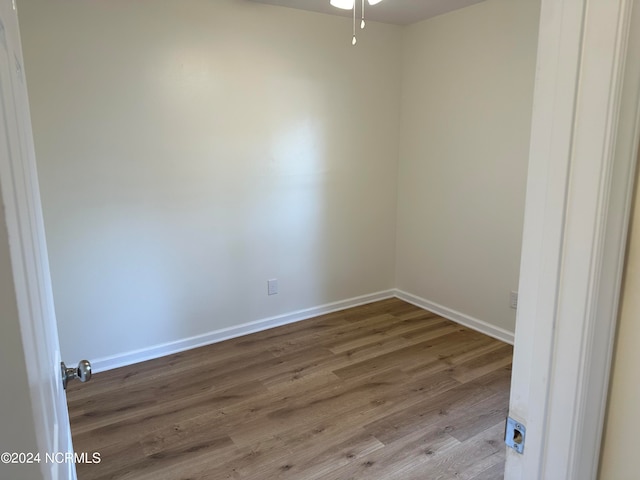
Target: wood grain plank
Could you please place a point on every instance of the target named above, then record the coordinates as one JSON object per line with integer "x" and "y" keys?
{"x": 380, "y": 391}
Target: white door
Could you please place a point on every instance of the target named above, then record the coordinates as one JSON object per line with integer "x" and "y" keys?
{"x": 21, "y": 200}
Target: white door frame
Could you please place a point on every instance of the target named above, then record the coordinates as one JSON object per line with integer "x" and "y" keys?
{"x": 581, "y": 168}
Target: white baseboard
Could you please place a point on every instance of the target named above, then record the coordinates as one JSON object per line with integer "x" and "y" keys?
{"x": 465, "y": 320}
{"x": 156, "y": 351}
{"x": 129, "y": 358}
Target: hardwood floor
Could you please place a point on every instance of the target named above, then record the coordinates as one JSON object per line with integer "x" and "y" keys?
{"x": 382, "y": 391}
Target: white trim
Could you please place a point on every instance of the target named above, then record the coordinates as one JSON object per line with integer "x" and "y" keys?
{"x": 157, "y": 351}
{"x": 598, "y": 358}
{"x": 576, "y": 216}
{"x": 149, "y": 353}
{"x": 458, "y": 317}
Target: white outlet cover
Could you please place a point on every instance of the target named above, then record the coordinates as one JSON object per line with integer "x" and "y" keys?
{"x": 513, "y": 300}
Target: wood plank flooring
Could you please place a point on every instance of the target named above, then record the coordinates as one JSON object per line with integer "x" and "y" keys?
{"x": 381, "y": 391}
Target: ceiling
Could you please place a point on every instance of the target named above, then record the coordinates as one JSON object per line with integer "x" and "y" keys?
{"x": 399, "y": 12}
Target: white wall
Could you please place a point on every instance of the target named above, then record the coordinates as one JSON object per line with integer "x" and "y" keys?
{"x": 466, "y": 111}
{"x": 18, "y": 433}
{"x": 618, "y": 460}
{"x": 190, "y": 150}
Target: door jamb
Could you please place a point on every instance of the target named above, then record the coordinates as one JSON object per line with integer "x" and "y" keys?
{"x": 582, "y": 160}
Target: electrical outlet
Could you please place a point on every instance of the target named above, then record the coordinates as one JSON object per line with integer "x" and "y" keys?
{"x": 513, "y": 300}
{"x": 272, "y": 286}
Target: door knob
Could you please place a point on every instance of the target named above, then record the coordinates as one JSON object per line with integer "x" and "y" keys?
{"x": 82, "y": 373}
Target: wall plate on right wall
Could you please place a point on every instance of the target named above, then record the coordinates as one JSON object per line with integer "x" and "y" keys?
{"x": 513, "y": 300}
